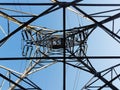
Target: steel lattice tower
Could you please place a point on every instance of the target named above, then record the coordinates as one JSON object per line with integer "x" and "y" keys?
{"x": 75, "y": 42}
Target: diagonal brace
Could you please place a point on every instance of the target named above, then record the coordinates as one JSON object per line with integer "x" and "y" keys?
{"x": 107, "y": 30}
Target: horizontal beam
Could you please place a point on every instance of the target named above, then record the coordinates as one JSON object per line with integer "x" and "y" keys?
{"x": 22, "y": 16}
{"x": 44, "y": 4}
{"x": 27, "y": 4}
{"x": 97, "y": 5}
{"x": 89, "y": 57}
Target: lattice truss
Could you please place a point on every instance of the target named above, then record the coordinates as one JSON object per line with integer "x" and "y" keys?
{"x": 69, "y": 45}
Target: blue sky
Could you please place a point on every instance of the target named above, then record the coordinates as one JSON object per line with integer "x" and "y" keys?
{"x": 99, "y": 43}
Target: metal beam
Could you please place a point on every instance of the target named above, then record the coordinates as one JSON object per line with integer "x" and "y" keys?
{"x": 29, "y": 82}
{"x": 81, "y": 57}
{"x": 27, "y": 4}
{"x": 106, "y": 29}
{"x": 25, "y": 24}
{"x": 112, "y": 34}
{"x": 102, "y": 5}
{"x": 1, "y": 75}
{"x": 109, "y": 83}
{"x": 64, "y": 48}
{"x": 48, "y": 4}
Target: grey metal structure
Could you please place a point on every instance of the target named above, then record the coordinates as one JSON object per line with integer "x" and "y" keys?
{"x": 43, "y": 47}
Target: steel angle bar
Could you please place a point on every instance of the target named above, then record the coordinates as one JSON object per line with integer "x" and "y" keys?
{"x": 10, "y": 18}
{"x": 22, "y": 16}
{"x": 17, "y": 11}
{"x": 102, "y": 22}
{"x": 27, "y": 23}
{"x": 1, "y": 75}
{"x": 27, "y": 4}
{"x": 67, "y": 4}
{"x": 87, "y": 83}
{"x": 10, "y": 70}
{"x": 110, "y": 82}
{"x": 106, "y": 29}
{"x": 94, "y": 72}
{"x": 90, "y": 82}
{"x": 64, "y": 48}
{"x": 112, "y": 34}
{"x": 102, "y": 5}
{"x": 104, "y": 12}
{"x": 48, "y": 4}
{"x": 3, "y": 81}
{"x": 43, "y": 67}
{"x": 82, "y": 62}
{"x": 28, "y": 81}
{"x": 101, "y": 16}
{"x": 24, "y": 75}
{"x": 81, "y": 57}
{"x": 36, "y": 4}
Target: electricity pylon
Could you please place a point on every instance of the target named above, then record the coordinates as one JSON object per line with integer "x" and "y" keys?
{"x": 43, "y": 47}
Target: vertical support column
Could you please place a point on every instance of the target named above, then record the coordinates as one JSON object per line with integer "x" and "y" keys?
{"x": 64, "y": 49}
